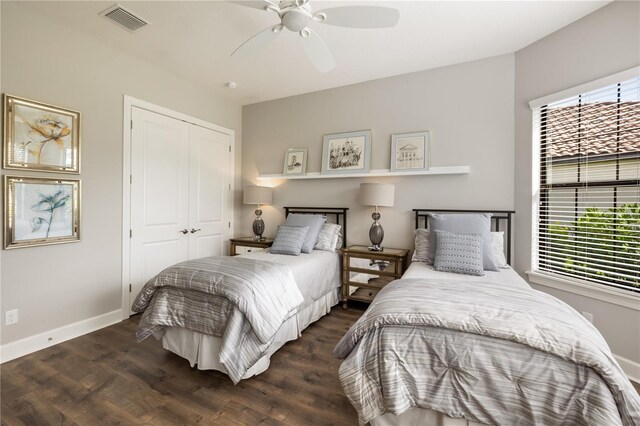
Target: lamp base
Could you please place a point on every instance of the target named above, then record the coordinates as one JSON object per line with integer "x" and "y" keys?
{"x": 258, "y": 226}
{"x": 376, "y": 233}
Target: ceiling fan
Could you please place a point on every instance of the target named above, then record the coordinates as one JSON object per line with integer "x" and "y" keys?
{"x": 296, "y": 15}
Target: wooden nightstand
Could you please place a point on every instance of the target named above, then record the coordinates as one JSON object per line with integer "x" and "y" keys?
{"x": 244, "y": 245}
{"x": 365, "y": 272}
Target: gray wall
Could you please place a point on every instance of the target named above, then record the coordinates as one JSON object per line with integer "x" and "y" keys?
{"x": 602, "y": 43}
{"x": 58, "y": 285}
{"x": 467, "y": 107}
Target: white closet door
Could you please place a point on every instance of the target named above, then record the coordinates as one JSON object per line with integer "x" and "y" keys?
{"x": 210, "y": 174}
{"x": 159, "y": 195}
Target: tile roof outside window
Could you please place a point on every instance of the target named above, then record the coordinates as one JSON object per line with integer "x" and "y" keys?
{"x": 592, "y": 129}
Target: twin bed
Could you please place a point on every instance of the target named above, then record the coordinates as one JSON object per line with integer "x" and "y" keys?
{"x": 434, "y": 348}
{"x": 201, "y": 317}
{"x": 442, "y": 348}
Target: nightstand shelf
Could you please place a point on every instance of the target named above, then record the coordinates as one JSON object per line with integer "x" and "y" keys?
{"x": 245, "y": 245}
{"x": 365, "y": 272}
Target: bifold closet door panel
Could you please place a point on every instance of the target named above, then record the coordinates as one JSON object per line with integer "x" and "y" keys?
{"x": 210, "y": 177}
{"x": 159, "y": 195}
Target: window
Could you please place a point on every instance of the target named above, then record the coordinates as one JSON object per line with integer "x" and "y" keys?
{"x": 588, "y": 216}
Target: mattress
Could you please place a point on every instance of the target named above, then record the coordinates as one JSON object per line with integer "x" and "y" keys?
{"x": 317, "y": 275}
{"x": 506, "y": 276}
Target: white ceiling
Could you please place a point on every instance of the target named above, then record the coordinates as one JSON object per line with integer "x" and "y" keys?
{"x": 194, "y": 40}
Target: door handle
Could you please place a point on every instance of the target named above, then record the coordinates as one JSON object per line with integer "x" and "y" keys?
{"x": 184, "y": 231}
{"x": 193, "y": 231}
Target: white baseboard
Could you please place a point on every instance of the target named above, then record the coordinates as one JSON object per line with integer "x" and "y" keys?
{"x": 31, "y": 344}
{"x": 631, "y": 368}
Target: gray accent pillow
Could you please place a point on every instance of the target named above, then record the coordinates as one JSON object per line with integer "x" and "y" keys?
{"x": 289, "y": 240}
{"x": 314, "y": 222}
{"x": 464, "y": 223}
{"x": 328, "y": 237}
{"x": 459, "y": 253}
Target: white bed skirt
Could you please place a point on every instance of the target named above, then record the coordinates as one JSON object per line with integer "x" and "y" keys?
{"x": 420, "y": 416}
{"x": 202, "y": 350}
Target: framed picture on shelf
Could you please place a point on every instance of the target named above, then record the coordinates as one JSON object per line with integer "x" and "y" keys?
{"x": 40, "y": 137}
{"x": 344, "y": 153}
{"x": 40, "y": 211}
{"x": 410, "y": 151}
{"x": 295, "y": 161}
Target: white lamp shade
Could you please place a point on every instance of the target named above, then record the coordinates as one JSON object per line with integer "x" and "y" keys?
{"x": 258, "y": 195}
{"x": 377, "y": 194}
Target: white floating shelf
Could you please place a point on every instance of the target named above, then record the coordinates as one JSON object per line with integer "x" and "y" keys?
{"x": 449, "y": 170}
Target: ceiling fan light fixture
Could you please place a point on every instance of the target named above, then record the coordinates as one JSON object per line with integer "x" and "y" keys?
{"x": 296, "y": 19}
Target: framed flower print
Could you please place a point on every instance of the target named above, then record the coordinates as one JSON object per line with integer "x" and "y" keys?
{"x": 40, "y": 137}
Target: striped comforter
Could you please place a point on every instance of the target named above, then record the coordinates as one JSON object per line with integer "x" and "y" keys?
{"x": 243, "y": 301}
{"x": 484, "y": 352}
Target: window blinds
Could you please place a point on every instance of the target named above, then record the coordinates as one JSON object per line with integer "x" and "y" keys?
{"x": 589, "y": 191}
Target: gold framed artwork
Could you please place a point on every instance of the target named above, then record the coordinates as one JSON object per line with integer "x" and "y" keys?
{"x": 40, "y": 211}
{"x": 40, "y": 137}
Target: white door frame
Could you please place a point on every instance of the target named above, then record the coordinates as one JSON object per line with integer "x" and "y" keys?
{"x": 130, "y": 102}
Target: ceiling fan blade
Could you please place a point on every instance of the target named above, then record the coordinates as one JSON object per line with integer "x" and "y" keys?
{"x": 317, "y": 51}
{"x": 256, "y": 4}
{"x": 258, "y": 42}
{"x": 360, "y": 16}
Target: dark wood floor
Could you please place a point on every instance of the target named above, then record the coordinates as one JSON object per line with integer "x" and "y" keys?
{"x": 107, "y": 378}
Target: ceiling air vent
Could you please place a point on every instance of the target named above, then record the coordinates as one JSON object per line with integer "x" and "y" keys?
{"x": 124, "y": 18}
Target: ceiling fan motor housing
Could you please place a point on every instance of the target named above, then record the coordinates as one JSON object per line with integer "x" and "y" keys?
{"x": 296, "y": 19}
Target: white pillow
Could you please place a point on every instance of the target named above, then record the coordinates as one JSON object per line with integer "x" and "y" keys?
{"x": 423, "y": 251}
{"x": 328, "y": 237}
{"x": 497, "y": 247}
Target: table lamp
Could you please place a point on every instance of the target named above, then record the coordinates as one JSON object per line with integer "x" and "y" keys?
{"x": 258, "y": 195}
{"x": 378, "y": 195}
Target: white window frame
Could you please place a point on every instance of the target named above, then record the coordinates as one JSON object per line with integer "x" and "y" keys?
{"x": 571, "y": 284}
